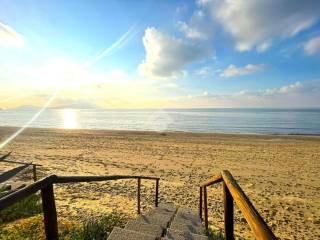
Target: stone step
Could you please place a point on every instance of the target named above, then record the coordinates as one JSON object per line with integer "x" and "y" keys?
{"x": 168, "y": 207}
{"x": 125, "y": 234}
{"x": 187, "y": 214}
{"x": 178, "y": 235}
{"x": 176, "y": 224}
{"x": 187, "y": 227}
{"x": 161, "y": 211}
{"x": 159, "y": 219}
{"x": 146, "y": 228}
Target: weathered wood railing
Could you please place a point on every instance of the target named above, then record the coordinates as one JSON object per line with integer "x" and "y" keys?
{"x": 233, "y": 192}
{"x": 45, "y": 185}
{"x": 34, "y": 166}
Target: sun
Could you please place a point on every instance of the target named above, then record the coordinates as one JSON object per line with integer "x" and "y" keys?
{"x": 70, "y": 120}
{"x": 62, "y": 74}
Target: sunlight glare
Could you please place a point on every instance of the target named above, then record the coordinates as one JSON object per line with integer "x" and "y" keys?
{"x": 69, "y": 119}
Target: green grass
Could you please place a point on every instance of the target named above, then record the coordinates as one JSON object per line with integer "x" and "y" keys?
{"x": 30, "y": 228}
{"x": 24, "y": 221}
{"x": 94, "y": 228}
{"x": 214, "y": 235}
{"x": 33, "y": 228}
{"x": 27, "y": 207}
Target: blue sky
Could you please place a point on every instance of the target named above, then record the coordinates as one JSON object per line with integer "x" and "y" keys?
{"x": 132, "y": 54}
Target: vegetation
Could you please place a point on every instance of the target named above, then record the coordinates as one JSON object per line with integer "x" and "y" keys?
{"x": 27, "y": 207}
{"x": 94, "y": 228}
{"x": 24, "y": 221}
{"x": 32, "y": 228}
{"x": 27, "y": 228}
{"x": 214, "y": 235}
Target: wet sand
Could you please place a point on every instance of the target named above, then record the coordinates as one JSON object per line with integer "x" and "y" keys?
{"x": 280, "y": 174}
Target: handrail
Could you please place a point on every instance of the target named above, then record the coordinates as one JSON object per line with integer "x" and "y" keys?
{"x": 18, "y": 162}
{"x": 16, "y": 196}
{"x": 5, "y": 156}
{"x": 34, "y": 165}
{"x": 48, "y": 201}
{"x": 212, "y": 181}
{"x": 233, "y": 192}
{"x": 12, "y": 172}
{"x": 75, "y": 179}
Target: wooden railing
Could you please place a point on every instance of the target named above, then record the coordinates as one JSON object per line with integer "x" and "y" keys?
{"x": 45, "y": 185}
{"x": 34, "y": 166}
{"x": 232, "y": 192}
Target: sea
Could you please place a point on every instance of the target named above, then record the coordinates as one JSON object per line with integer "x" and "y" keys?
{"x": 217, "y": 120}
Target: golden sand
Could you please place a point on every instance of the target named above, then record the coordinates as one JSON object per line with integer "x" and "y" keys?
{"x": 280, "y": 174}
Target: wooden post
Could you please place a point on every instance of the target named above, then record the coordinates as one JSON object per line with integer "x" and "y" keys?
{"x": 138, "y": 194}
{"x": 228, "y": 213}
{"x": 200, "y": 204}
{"x": 205, "y": 208}
{"x": 157, "y": 193}
{"x": 49, "y": 212}
{"x": 34, "y": 169}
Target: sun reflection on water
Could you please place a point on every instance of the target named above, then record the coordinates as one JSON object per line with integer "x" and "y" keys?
{"x": 70, "y": 119}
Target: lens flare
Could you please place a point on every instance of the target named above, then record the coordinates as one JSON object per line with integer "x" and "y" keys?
{"x": 14, "y": 135}
{"x": 71, "y": 122}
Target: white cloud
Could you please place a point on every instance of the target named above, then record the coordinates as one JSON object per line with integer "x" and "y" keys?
{"x": 284, "y": 89}
{"x": 198, "y": 26}
{"x": 312, "y": 46}
{"x": 256, "y": 23}
{"x": 9, "y": 37}
{"x": 166, "y": 56}
{"x": 306, "y": 94}
{"x": 232, "y": 70}
{"x": 204, "y": 72}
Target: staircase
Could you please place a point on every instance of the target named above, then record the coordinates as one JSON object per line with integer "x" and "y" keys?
{"x": 165, "y": 222}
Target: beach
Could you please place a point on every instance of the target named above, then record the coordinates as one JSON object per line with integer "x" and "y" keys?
{"x": 280, "y": 174}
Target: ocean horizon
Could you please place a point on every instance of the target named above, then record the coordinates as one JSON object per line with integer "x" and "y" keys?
{"x": 300, "y": 121}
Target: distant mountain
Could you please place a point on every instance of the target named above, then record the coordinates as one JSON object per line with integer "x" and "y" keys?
{"x": 73, "y": 105}
{"x": 77, "y": 105}
{"x": 26, "y": 107}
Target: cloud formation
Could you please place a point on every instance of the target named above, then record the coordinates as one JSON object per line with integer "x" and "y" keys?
{"x": 312, "y": 46}
{"x": 258, "y": 23}
{"x": 198, "y": 26}
{"x": 166, "y": 56}
{"x": 232, "y": 70}
{"x": 284, "y": 89}
{"x": 9, "y": 37}
{"x": 297, "y": 94}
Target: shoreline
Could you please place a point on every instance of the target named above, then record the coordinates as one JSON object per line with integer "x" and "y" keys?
{"x": 167, "y": 131}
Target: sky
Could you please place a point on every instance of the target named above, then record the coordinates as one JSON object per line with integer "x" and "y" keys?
{"x": 160, "y": 54}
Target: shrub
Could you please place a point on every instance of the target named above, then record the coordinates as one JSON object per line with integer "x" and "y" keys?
{"x": 26, "y": 207}
{"x": 94, "y": 228}
{"x": 29, "y": 229}
{"x": 214, "y": 235}
{"x": 33, "y": 228}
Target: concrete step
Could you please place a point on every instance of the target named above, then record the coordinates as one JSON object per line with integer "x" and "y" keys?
{"x": 178, "y": 235}
{"x": 176, "y": 224}
{"x": 159, "y": 219}
{"x": 187, "y": 214}
{"x": 168, "y": 207}
{"x": 159, "y": 210}
{"x": 187, "y": 227}
{"x": 146, "y": 228}
{"x": 125, "y": 234}
{"x": 187, "y": 221}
